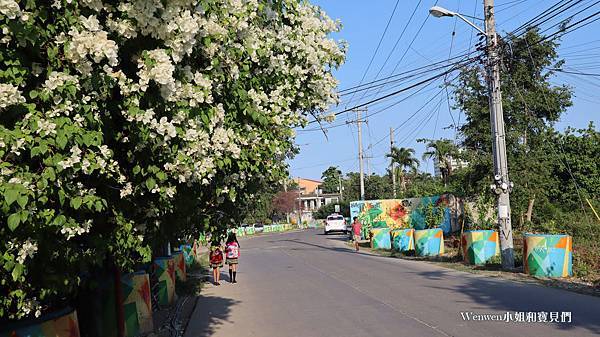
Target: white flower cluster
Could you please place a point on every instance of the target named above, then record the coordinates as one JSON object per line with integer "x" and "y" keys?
{"x": 91, "y": 44}
{"x": 9, "y": 8}
{"x": 127, "y": 190}
{"x": 158, "y": 68}
{"x": 10, "y": 95}
{"x": 72, "y": 231}
{"x": 26, "y": 250}
{"x": 58, "y": 79}
{"x": 73, "y": 159}
{"x": 45, "y": 127}
{"x": 31, "y": 305}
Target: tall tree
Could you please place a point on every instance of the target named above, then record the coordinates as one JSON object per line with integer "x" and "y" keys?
{"x": 331, "y": 179}
{"x": 530, "y": 103}
{"x": 404, "y": 158}
{"x": 442, "y": 151}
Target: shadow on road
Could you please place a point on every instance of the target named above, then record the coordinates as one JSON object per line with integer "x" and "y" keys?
{"x": 505, "y": 295}
{"x": 211, "y": 312}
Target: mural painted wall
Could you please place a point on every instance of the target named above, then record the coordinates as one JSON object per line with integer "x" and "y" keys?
{"x": 405, "y": 213}
{"x": 137, "y": 306}
{"x": 60, "y": 324}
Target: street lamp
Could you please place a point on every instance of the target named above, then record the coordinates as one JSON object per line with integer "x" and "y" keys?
{"x": 439, "y": 12}
{"x": 502, "y": 185}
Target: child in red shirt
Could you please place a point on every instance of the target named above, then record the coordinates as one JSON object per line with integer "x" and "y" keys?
{"x": 216, "y": 261}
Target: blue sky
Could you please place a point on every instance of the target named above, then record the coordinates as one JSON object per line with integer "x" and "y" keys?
{"x": 363, "y": 24}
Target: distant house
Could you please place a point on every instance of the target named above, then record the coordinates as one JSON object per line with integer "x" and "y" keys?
{"x": 311, "y": 198}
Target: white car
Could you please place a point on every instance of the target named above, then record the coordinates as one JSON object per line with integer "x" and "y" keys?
{"x": 335, "y": 223}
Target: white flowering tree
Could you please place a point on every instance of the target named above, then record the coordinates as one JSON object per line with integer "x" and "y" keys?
{"x": 126, "y": 123}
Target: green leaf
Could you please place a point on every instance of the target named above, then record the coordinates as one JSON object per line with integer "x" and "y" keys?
{"x": 49, "y": 174}
{"x": 24, "y": 215}
{"x": 61, "y": 139}
{"x": 61, "y": 197}
{"x": 136, "y": 169}
{"x": 10, "y": 196}
{"x": 150, "y": 183}
{"x": 17, "y": 272}
{"x": 76, "y": 202}
{"x": 13, "y": 221}
{"x": 22, "y": 201}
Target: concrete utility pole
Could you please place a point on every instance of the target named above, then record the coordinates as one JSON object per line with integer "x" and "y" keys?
{"x": 502, "y": 185}
{"x": 341, "y": 188}
{"x": 299, "y": 204}
{"x": 359, "y": 122}
{"x": 392, "y": 164}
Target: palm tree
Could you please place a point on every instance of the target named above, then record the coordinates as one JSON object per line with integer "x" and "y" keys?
{"x": 404, "y": 158}
{"x": 442, "y": 151}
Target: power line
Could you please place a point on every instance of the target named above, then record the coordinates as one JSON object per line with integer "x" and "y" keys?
{"x": 378, "y": 44}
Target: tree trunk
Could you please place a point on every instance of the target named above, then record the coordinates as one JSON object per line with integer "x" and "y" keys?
{"x": 530, "y": 208}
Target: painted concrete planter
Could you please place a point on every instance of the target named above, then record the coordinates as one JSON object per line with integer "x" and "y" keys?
{"x": 548, "y": 255}
{"x": 479, "y": 246}
{"x": 250, "y": 231}
{"x": 59, "y": 324}
{"x": 137, "y": 305}
{"x": 180, "y": 270}
{"x": 165, "y": 273}
{"x": 403, "y": 239}
{"x": 429, "y": 242}
{"x": 188, "y": 254}
{"x": 267, "y": 229}
{"x": 380, "y": 238}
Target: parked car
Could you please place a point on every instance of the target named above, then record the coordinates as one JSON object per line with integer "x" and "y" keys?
{"x": 335, "y": 223}
{"x": 258, "y": 227}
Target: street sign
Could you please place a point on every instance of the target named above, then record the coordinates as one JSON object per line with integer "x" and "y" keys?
{"x": 337, "y": 208}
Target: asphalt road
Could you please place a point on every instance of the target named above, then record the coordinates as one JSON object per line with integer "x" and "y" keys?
{"x": 308, "y": 284}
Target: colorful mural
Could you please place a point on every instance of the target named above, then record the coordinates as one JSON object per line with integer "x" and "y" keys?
{"x": 479, "y": 246}
{"x": 548, "y": 255}
{"x": 180, "y": 270}
{"x": 429, "y": 242}
{"x": 380, "y": 238}
{"x": 403, "y": 239}
{"x": 188, "y": 254}
{"x": 164, "y": 268}
{"x": 137, "y": 305}
{"x": 60, "y": 324}
{"x": 250, "y": 231}
{"x": 405, "y": 213}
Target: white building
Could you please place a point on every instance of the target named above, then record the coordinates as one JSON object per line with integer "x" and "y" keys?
{"x": 454, "y": 164}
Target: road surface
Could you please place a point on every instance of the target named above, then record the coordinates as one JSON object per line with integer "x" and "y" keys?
{"x": 308, "y": 284}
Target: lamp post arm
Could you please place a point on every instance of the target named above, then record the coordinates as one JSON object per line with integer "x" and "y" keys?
{"x": 470, "y": 23}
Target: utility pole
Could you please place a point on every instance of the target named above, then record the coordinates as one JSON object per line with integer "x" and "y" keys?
{"x": 502, "y": 185}
{"x": 341, "y": 188}
{"x": 392, "y": 164}
{"x": 359, "y": 122}
{"x": 299, "y": 205}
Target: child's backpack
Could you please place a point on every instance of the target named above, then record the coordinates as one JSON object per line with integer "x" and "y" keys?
{"x": 216, "y": 256}
{"x": 233, "y": 250}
